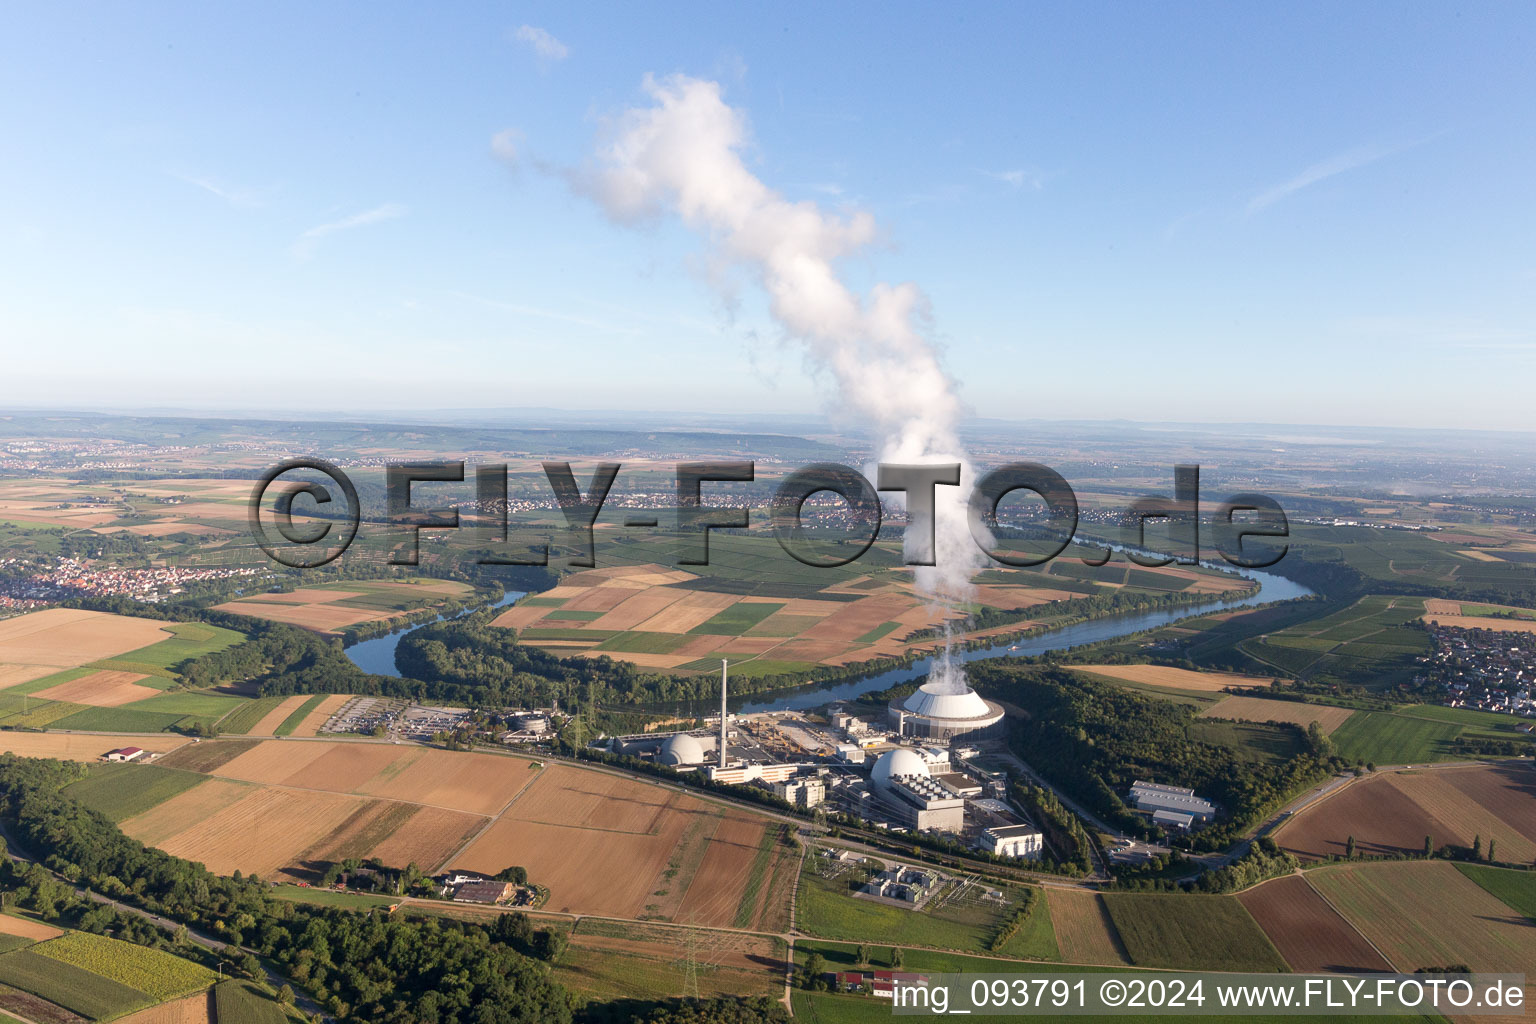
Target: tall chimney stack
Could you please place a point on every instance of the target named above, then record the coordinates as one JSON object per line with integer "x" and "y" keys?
{"x": 722, "y": 713}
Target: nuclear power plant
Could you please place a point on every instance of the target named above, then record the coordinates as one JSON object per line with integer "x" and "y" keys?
{"x": 930, "y": 764}
{"x": 946, "y": 711}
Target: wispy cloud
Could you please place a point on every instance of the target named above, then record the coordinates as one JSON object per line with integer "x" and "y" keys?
{"x": 233, "y": 195}
{"x": 544, "y": 44}
{"x": 505, "y": 146}
{"x": 1341, "y": 163}
{"x": 305, "y": 246}
{"x": 1018, "y": 178}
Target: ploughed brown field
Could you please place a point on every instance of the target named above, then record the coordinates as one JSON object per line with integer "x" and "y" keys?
{"x": 27, "y": 928}
{"x": 104, "y": 688}
{"x": 1310, "y": 934}
{"x": 1392, "y": 812}
{"x": 193, "y": 1009}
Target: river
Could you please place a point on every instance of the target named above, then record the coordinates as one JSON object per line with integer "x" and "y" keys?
{"x": 378, "y": 655}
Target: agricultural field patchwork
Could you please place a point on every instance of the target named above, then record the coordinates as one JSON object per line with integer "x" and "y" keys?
{"x": 606, "y": 844}
{"x": 41, "y": 643}
{"x": 1391, "y": 813}
{"x": 74, "y": 988}
{"x": 123, "y": 790}
{"x": 71, "y": 669}
{"x": 1517, "y": 889}
{"x": 1367, "y": 643}
{"x": 1310, "y": 934}
{"x": 1426, "y": 913}
{"x": 284, "y": 810}
{"x": 330, "y": 608}
{"x": 769, "y": 614}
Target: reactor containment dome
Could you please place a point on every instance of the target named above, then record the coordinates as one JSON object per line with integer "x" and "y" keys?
{"x": 946, "y": 712}
{"x": 896, "y": 763}
{"x": 682, "y": 749}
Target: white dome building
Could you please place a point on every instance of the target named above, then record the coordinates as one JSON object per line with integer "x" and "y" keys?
{"x": 945, "y": 712}
{"x": 893, "y": 763}
{"x": 681, "y": 749}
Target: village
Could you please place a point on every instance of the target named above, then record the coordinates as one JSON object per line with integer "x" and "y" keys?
{"x": 1485, "y": 669}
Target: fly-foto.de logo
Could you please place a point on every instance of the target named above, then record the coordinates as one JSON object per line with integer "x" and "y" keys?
{"x": 1051, "y": 525}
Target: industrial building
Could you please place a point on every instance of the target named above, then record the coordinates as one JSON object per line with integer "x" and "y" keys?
{"x": 1154, "y": 797}
{"x": 941, "y": 711}
{"x": 1173, "y": 819}
{"x": 1023, "y": 842}
{"x": 901, "y": 782}
{"x": 806, "y": 792}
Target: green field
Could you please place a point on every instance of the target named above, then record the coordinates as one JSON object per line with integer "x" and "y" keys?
{"x": 824, "y": 907}
{"x": 636, "y": 642}
{"x": 240, "y": 1002}
{"x": 331, "y": 897}
{"x": 122, "y": 790}
{"x": 1185, "y": 932}
{"x": 122, "y": 719}
{"x": 244, "y": 718}
{"x": 1516, "y": 888}
{"x": 189, "y": 640}
{"x": 1497, "y": 609}
{"x": 1418, "y": 732}
{"x": 190, "y": 703}
{"x": 746, "y": 667}
{"x": 10, "y": 942}
{"x": 878, "y": 632}
{"x": 294, "y": 720}
{"x": 737, "y": 619}
{"x": 73, "y": 988}
{"x": 1252, "y": 741}
{"x": 157, "y": 973}
{"x": 45, "y": 713}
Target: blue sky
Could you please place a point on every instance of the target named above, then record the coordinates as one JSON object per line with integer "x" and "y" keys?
{"x": 1318, "y": 214}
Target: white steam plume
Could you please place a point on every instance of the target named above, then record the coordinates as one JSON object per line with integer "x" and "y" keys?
{"x": 681, "y": 154}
